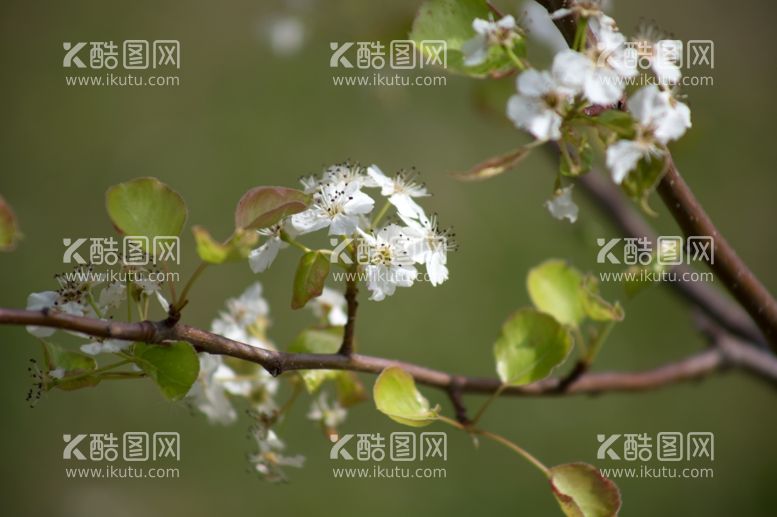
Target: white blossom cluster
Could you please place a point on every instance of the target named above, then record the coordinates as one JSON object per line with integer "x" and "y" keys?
{"x": 77, "y": 295}
{"x": 224, "y": 380}
{"x": 596, "y": 74}
{"x": 388, "y": 254}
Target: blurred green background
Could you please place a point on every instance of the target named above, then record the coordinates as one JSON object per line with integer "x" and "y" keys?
{"x": 245, "y": 116}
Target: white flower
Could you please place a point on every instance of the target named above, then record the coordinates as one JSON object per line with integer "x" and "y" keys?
{"x": 663, "y": 60}
{"x": 209, "y": 396}
{"x": 106, "y": 346}
{"x": 269, "y": 460}
{"x": 330, "y": 306}
{"x": 389, "y": 264}
{"x": 249, "y": 306}
{"x": 329, "y": 415}
{"x": 335, "y": 205}
{"x": 400, "y": 190}
{"x": 562, "y": 205}
{"x": 487, "y": 33}
{"x": 429, "y": 246}
{"x": 112, "y": 296}
{"x": 262, "y": 257}
{"x": 286, "y": 35}
{"x": 539, "y": 105}
{"x": 39, "y": 301}
{"x": 245, "y": 319}
{"x": 599, "y": 72}
{"x": 660, "y": 119}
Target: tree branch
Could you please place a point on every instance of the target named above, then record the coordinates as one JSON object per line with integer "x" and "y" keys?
{"x": 730, "y": 353}
{"x": 694, "y": 221}
{"x": 351, "y": 292}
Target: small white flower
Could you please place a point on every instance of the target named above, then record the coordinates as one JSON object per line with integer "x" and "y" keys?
{"x": 269, "y": 460}
{"x": 660, "y": 119}
{"x": 262, "y": 257}
{"x": 539, "y": 105}
{"x": 111, "y": 296}
{"x": 209, "y": 396}
{"x": 487, "y": 33}
{"x": 37, "y": 302}
{"x": 400, "y": 190}
{"x": 599, "y": 72}
{"x": 106, "y": 346}
{"x": 335, "y": 205}
{"x": 429, "y": 246}
{"x": 389, "y": 264}
{"x": 330, "y": 306}
{"x": 561, "y": 204}
{"x": 328, "y": 415}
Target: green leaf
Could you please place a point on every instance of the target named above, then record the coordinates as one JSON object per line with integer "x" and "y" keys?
{"x": 596, "y": 307}
{"x": 555, "y": 288}
{"x": 582, "y": 491}
{"x": 451, "y": 21}
{"x": 71, "y": 362}
{"x": 642, "y": 181}
{"x": 74, "y": 364}
{"x": 309, "y": 280}
{"x": 494, "y": 166}
{"x": 237, "y": 247}
{"x": 396, "y": 396}
{"x": 317, "y": 341}
{"x": 531, "y": 345}
{"x": 262, "y": 207}
{"x": 146, "y": 207}
{"x": 620, "y": 122}
{"x": 9, "y": 229}
{"x": 350, "y": 390}
{"x": 174, "y": 367}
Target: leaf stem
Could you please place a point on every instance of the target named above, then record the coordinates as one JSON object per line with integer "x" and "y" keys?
{"x": 189, "y": 284}
{"x": 514, "y": 447}
{"x": 487, "y": 403}
{"x": 380, "y": 215}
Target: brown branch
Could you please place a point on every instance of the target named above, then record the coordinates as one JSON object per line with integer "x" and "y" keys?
{"x": 351, "y": 293}
{"x": 733, "y": 353}
{"x": 612, "y": 203}
{"x": 694, "y": 221}
{"x": 725, "y": 263}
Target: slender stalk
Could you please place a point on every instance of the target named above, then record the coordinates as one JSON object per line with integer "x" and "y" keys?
{"x": 516, "y": 448}
{"x": 186, "y": 288}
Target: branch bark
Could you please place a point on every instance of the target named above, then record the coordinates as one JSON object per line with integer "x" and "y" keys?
{"x": 694, "y": 221}
{"x": 730, "y": 353}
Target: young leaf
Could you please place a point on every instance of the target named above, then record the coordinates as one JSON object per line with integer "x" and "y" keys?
{"x": 617, "y": 121}
{"x": 582, "y": 491}
{"x": 174, "y": 367}
{"x": 350, "y": 390}
{"x": 642, "y": 181}
{"x": 555, "y": 288}
{"x": 146, "y": 207}
{"x": 494, "y": 166}
{"x": 71, "y": 362}
{"x": 9, "y": 229}
{"x": 596, "y": 307}
{"x": 237, "y": 247}
{"x": 309, "y": 280}
{"x": 396, "y": 396}
{"x": 531, "y": 345}
{"x": 74, "y": 364}
{"x": 451, "y": 21}
{"x": 261, "y": 207}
